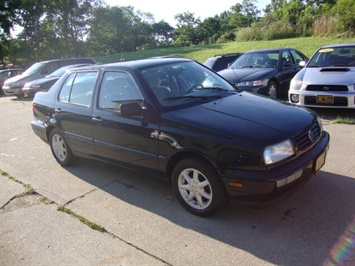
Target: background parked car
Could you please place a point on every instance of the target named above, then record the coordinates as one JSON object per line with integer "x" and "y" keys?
{"x": 265, "y": 71}
{"x": 328, "y": 79}
{"x": 177, "y": 119}
{"x": 6, "y": 74}
{"x": 220, "y": 62}
{"x": 13, "y": 86}
{"x": 43, "y": 84}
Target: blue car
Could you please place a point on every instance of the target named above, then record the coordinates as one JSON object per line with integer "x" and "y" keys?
{"x": 265, "y": 71}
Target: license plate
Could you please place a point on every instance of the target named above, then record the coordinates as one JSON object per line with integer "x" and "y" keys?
{"x": 325, "y": 99}
{"x": 320, "y": 162}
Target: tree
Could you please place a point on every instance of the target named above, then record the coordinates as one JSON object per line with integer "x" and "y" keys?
{"x": 185, "y": 33}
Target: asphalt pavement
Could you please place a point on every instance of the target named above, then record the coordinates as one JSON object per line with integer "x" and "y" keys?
{"x": 143, "y": 224}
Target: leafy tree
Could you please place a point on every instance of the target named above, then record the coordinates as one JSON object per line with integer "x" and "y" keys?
{"x": 185, "y": 33}
{"x": 163, "y": 33}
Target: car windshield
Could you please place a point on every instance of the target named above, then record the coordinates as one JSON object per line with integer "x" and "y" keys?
{"x": 182, "y": 83}
{"x": 333, "y": 56}
{"x": 33, "y": 69}
{"x": 257, "y": 60}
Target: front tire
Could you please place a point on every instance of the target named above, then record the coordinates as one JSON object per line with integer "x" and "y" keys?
{"x": 272, "y": 90}
{"x": 60, "y": 149}
{"x": 198, "y": 187}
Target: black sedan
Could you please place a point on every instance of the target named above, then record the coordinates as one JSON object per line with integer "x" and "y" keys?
{"x": 265, "y": 71}
{"x": 176, "y": 119}
{"x": 43, "y": 84}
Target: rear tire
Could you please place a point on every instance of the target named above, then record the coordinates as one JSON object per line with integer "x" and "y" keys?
{"x": 198, "y": 187}
{"x": 60, "y": 149}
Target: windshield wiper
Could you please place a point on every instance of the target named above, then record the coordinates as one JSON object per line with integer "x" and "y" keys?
{"x": 191, "y": 97}
{"x": 212, "y": 89}
{"x": 247, "y": 66}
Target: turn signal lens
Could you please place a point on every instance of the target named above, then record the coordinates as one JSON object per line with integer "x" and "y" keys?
{"x": 235, "y": 184}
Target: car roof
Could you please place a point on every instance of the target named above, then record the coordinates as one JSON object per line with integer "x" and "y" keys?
{"x": 339, "y": 45}
{"x": 142, "y": 63}
{"x": 270, "y": 49}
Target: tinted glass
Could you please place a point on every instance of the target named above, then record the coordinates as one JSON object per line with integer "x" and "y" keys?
{"x": 184, "y": 82}
{"x": 337, "y": 56}
{"x": 116, "y": 88}
{"x": 257, "y": 60}
{"x": 78, "y": 88}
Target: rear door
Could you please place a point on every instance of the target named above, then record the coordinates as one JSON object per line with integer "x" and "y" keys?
{"x": 124, "y": 140}
{"x": 73, "y": 110}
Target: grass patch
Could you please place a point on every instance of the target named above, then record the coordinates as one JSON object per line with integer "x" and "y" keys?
{"x": 341, "y": 120}
{"x": 45, "y": 200}
{"x": 28, "y": 188}
{"x": 82, "y": 219}
{"x": 307, "y": 45}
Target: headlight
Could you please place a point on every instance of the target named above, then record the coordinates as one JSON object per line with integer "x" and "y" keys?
{"x": 296, "y": 84}
{"x": 249, "y": 83}
{"x": 278, "y": 152}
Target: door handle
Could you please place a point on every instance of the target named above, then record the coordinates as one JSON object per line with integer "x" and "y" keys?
{"x": 97, "y": 118}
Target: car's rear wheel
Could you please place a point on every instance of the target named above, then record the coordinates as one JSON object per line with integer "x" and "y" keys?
{"x": 60, "y": 149}
{"x": 272, "y": 90}
{"x": 198, "y": 187}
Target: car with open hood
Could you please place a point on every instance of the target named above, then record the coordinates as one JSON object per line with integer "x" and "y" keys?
{"x": 176, "y": 119}
{"x": 327, "y": 80}
{"x": 265, "y": 71}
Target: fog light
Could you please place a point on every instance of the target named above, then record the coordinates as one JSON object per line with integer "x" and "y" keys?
{"x": 295, "y": 98}
{"x": 289, "y": 179}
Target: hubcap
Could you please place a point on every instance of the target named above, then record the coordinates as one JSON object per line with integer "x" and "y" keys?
{"x": 195, "y": 188}
{"x": 59, "y": 147}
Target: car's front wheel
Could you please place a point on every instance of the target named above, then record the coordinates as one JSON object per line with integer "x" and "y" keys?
{"x": 198, "y": 187}
{"x": 60, "y": 149}
{"x": 272, "y": 90}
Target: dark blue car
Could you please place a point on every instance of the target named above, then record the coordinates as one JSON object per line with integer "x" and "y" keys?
{"x": 176, "y": 119}
{"x": 265, "y": 71}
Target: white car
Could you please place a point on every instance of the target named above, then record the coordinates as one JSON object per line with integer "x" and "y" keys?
{"x": 327, "y": 80}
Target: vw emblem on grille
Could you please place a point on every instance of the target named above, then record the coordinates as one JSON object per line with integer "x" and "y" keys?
{"x": 310, "y": 135}
{"x": 326, "y": 88}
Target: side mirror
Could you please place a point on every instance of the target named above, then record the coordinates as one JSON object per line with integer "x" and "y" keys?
{"x": 134, "y": 109}
{"x": 302, "y": 63}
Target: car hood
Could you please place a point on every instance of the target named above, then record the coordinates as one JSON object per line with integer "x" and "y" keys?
{"x": 235, "y": 75}
{"x": 328, "y": 75}
{"x": 21, "y": 77}
{"x": 43, "y": 81}
{"x": 246, "y": 118}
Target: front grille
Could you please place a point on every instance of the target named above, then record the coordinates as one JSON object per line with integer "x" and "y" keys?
{"x": 303, "y": 140}
{"x": 338, "y": 101}
{"x": 326, "y": 88}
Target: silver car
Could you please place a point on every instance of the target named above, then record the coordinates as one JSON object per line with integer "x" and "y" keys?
{"x": 327, "y": 80}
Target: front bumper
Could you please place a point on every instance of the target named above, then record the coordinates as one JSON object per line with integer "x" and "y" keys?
{"x": 16, "y": 91}
{"x": 272, "y": 185}
{"x": 322, "y": 99}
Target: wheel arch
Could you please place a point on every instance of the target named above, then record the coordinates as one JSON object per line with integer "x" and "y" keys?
{"x": 183, "y": 155}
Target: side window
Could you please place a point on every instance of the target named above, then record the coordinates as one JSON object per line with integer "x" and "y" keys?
{"x": 78, "y": 88}
{"x": 65, "y": 91}
{"x": 50, "y": 67}
{"x": 286, "y": 57}
{"x": 296, "y": 56}
{"x": 117, "y": 88}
